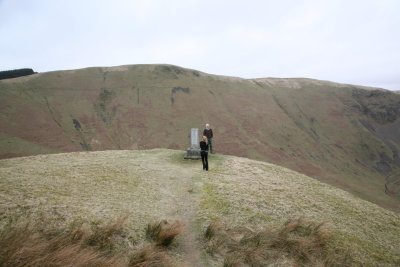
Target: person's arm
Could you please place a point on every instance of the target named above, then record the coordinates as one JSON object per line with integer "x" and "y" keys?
{"x": 211, "y": 133}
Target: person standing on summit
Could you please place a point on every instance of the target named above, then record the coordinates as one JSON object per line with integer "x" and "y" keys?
{"x": 209, "y": 134}
{"x": 204, "y": 152}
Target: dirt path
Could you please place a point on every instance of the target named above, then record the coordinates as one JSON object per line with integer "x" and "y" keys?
{"x": 188, "y": 203}
{"x": 181, "y": 201}
{"x": 174, "y": 195}
{"x": 189, "y": 240}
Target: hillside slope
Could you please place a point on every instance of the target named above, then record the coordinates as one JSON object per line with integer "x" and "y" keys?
{"x": 342, "y": 134}
{"x": 159, "y": 184}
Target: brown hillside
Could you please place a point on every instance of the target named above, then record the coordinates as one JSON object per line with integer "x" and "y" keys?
{"x": 341, "y": 134}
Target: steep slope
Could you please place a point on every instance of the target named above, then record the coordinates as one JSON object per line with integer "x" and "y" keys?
{"x": 341, "y": 134}
{"x": 159, "y": 184}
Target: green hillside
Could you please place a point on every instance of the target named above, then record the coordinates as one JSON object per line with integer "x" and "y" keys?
{"x": 345, "y": 135}
{"x": 146, "y": 186}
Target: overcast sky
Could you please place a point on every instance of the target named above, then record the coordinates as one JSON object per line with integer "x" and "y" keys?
{"x": 347, "y": 41}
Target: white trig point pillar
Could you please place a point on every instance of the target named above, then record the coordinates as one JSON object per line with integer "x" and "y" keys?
{"x": 193, "y": 151}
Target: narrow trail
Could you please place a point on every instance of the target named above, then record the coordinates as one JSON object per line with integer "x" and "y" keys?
{"x": 189, "y": 242}
{"x": 190, "y": 190}
{"x": 188, "y": 203}
{"x": 183, "y": 198}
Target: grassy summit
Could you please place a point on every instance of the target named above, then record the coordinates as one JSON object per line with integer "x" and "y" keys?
{"x": 93, "y": 188}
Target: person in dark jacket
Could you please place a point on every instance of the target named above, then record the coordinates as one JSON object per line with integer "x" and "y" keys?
{"x": 204, "y": 152}
{"x": 209, "y": 133}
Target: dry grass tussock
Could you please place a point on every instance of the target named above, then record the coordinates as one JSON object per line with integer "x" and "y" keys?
{"x": 297, "y": 243}
{"x": 29, "y": 244}
{"x": 164, "y": 232}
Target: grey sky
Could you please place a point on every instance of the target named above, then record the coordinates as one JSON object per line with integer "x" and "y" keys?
{"x": 349, "y": 41}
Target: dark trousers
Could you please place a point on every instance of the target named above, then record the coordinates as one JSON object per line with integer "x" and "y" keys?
{"x": 209, "y": 140}
{"x": 204, "y": 159}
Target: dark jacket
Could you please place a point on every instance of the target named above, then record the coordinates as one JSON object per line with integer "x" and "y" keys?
{"x": 203, "y": 146}
{"x": 208, "y": 133}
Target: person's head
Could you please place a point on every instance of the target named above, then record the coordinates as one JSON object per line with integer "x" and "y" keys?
{"x": 207, "y": 126}
{"x": 205, "y": 139}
